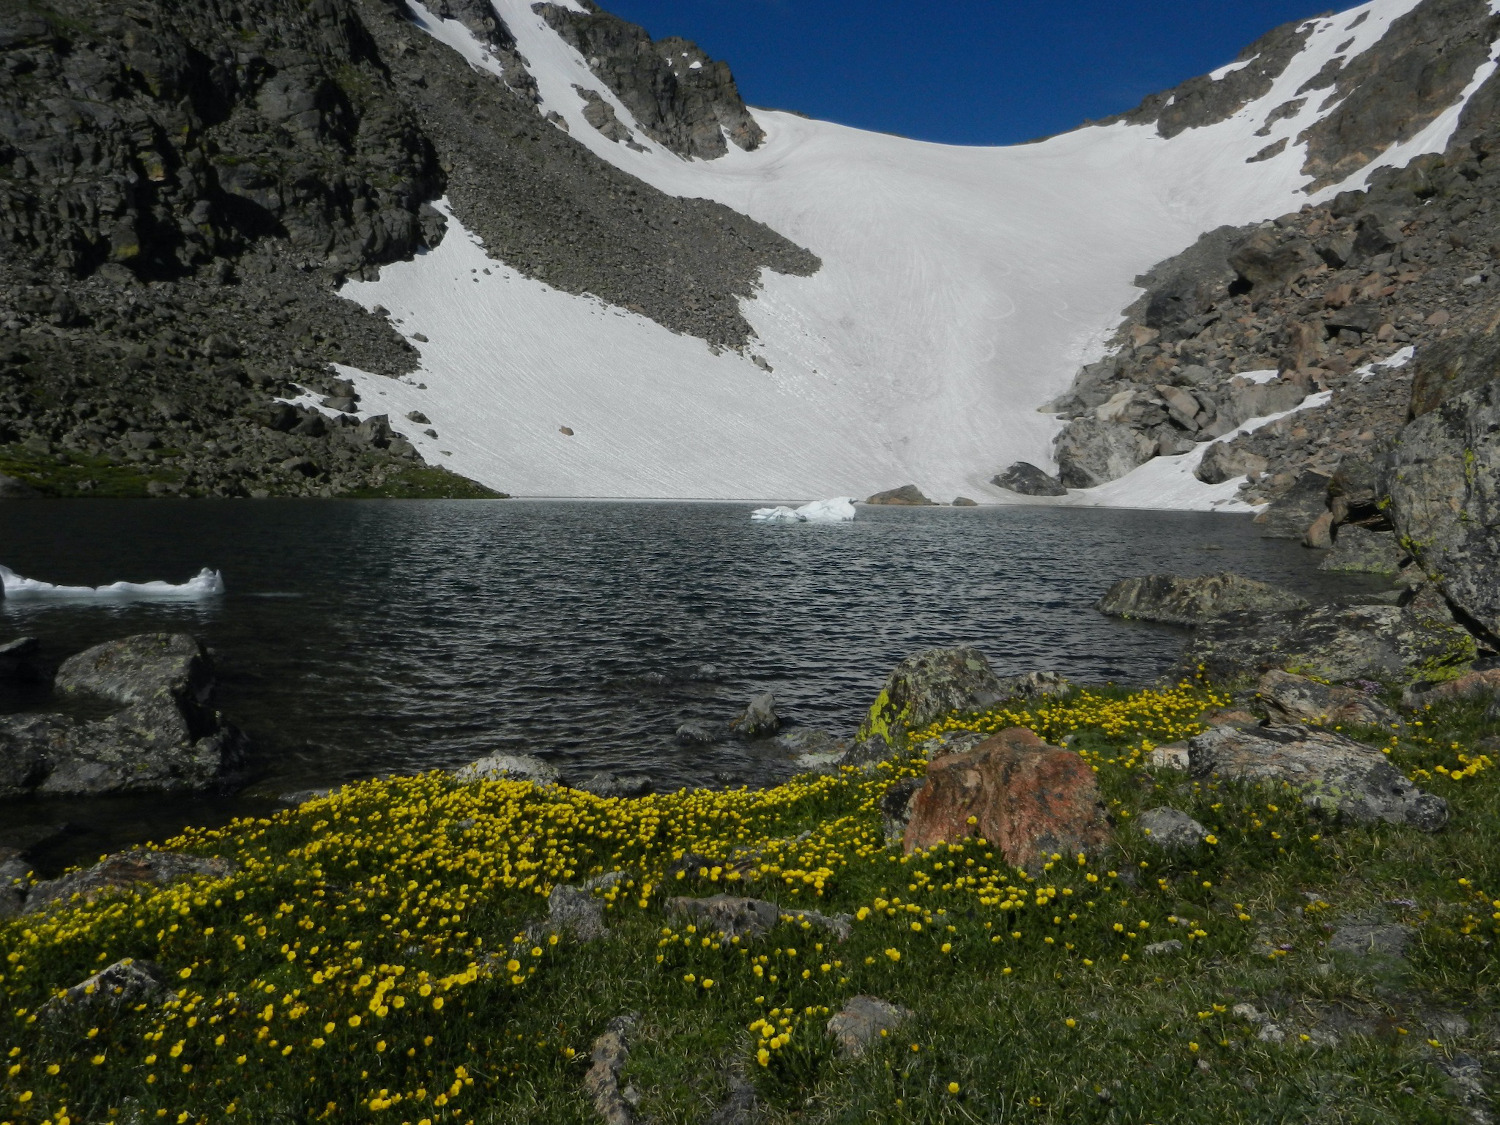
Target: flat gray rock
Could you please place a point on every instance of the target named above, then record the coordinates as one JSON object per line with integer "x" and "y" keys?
{"x": 1372, "y": 939}
{"x": 1190, "y": 601}
{"x": 1171, "y": 829}
{"x": 728, "y": 914}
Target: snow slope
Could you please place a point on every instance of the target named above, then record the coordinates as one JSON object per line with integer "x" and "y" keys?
{"x": 961, "y": 289}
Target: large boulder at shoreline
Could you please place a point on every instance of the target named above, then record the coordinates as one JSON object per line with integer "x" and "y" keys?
{"x": 1333, "y": 772}
{"x": 1026, "y": 479}
{"x": 1293, "y": 512}
{"x": 508, "y": 767}
{"x": 1443, "y": 480}
{"x": 1027, "y": 799}
{"x": 908, "y": 495}
{"x": 167, "y": 737}
{"x": 1092, "y": 451}
{"x": 1361, "y": 642}
{"x": 928, "y": 685}
{"x": 1175, "y": 600}
{"x": 1292, "y": 699}
{"x": 1358, "y": 550}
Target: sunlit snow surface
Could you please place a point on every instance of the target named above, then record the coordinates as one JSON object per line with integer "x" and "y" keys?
{"x": 840, "y": 510}
{"x": 961, "y": 288}
{"x": 205, "y": 584}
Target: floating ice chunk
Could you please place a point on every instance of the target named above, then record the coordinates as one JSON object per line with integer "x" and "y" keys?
{"x": 838, "y": 510}
{"x": 205, "y": 584}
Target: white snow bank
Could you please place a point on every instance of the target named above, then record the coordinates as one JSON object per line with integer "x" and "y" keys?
{"x": 205, "y": 584}
{"x": 838, "y": 510}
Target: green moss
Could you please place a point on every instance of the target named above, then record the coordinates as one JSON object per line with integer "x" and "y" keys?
{"x": 81, "y": 475}
{"x": 428, "y": 482}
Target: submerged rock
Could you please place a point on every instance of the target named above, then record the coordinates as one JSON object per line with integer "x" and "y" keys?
{"x": 1025, "y": 478}
{"x": 1370, "y": 642}
{"x": 1175, "y": 600}
{"x": 928, "y": 685}
{"x": 1334, "y": 773}
{"x": 1028, "y": 799}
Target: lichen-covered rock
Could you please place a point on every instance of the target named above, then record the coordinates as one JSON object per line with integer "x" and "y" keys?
{"x": 1026, "y": 479}
{"x": 861, "y": 1021}
{"x": 1358, "y": 550}
{"x": 147, "y": 668}
{"x": 1471, "y": 685}
{"x": 928, "y": 685}
{"x": 1293, "y": 511}
{"x": 1334, "y": 773}
{"x": 1369, "y": 642}
{"x": 1289, "y": 698}
{"x": 1176, "y": 600}
{"x": 1029, "y": 800}
{"x": 1443, "y": 480}
{"x": 123, "y": 871}
{"x": 121, "y": 985}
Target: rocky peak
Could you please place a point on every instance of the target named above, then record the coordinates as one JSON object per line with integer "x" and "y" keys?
{"x": 682, "y": 98}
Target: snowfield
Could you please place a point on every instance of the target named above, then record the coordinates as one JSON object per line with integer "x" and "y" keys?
{"x": 961, "y": 289}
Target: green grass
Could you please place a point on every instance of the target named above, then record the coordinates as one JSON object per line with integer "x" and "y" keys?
{"x": 418, "y": 890}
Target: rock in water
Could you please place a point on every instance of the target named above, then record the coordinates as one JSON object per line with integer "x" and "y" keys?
{"x": 1175, "y": 600}
{"x": 1289, "y": 698}
{"x": 928, "y": 685}
{"x": 908, "y": 495}
{"x": 1358, "y": 550}
{"x": 1443, "y": 480}
{"x": 1335, "y": 773}
{"x": 168, "y": 738}
{"x": 1026, "y": 798}
{"x": 1370, "y": 642}
{"x": 1025, "y": 478}
{"x": 759, "y": 719}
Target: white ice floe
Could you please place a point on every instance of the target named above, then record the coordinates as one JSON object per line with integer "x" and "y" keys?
{"x": 961, "y": 289}
{"x": 837, "y": 510}
{"x": 205, "y": 584}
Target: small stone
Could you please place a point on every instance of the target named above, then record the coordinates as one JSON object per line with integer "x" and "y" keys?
{"x": 1173, "y": 757}
{"x": 861, "y": 1020}
{"x": 695, "y": 732}
{"x": 1162, "y": 948}
{"x": 1171, "y": 829}
{"x": 759, "y": 719}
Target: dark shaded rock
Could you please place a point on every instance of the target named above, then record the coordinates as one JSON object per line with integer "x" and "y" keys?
{"x": 120, "y": 986}
{"x": 124, "y": 871}
{"x": 1443, "y": 480}
{"x": 1226, "y": 460}
{"x": 1290, "y": 514}
{"x": 617, "y": 785}
{"x": 1027, "y": 799}
{"x": 908, "y": 495}
{"x": 1268, "y": 259}
{"x": 964, "y": 502}
{"x": 728, "y": 914}
{"x": 895, "y": 807}
{"x": 148, "y": 668}
{"x": 696, "y": 732}
{"x": 928, "y": 685}
{"x": 759, "y": 719}
{"x": 13, "y": 489}
{"x": 1333, "y": 643}
{"x": 1453, "y": 365}
{"x": 1288, "y": 699}
{"x": 1034, "y": 685}
{"x": 1335, "y": 773}
{"x": 1028, "y": 480}
{"x": 1175, "y": 600}
{"x": 861, "y": 1021}
{"x": 1358, "y": 550}
{"x": 1171, "y": 829}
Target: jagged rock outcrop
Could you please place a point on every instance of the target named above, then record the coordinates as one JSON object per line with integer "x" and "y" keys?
{"x": 682, "y": 98}
{"x": 1028, "y": 480}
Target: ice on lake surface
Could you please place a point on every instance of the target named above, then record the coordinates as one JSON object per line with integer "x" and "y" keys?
{"x": 839, "y": 510}
{"x": 205, "y": 584}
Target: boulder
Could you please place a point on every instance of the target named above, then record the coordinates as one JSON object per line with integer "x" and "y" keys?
{"x": 896, "y": 807}
{"x": 728, "y": 914}
{"x": 1335, "y": 773}
{"x": 1026, "y": 479}
{"x": 1091, "y": 452}
{"x": 1289, "y": 514}
{"x": 19, "y": 660}
{"x": 1227, "y": 460}
{"x": 759, "y": 719}
{"x": 1372, "y": 939}
{"x": 1443, "y": 480}
{"x": 964, "y": 502}
{"x": 860, "y": 1022}
{"x": 122, "y": 985}
{"x": 576, "y": 911}
{"x": 608, "y": 1056}
{"x": 908, "y": 495}
{"x": 1171, "y": 829}
{"x": 1360, "y": 642}
{"x": 1026, "y": 798}
{"x": 167, "y": 738}
{"x": 1290, "y": 699}
{"x": 1034, "y": 685}
{"x": 1358, "y": 550}
{"x": 1162, "y": 948}
{"x": 1268, "y": 259}
{"x": 928, "y": 685}
{"x": 616, "y": 785}
{"x": 124, "y": 871}
{"x": 1175, "y": 600}
{"x": 1471, "y": 685}
{"x": 508, "y": 767}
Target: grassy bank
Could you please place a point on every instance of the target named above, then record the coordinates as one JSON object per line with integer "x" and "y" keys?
{"x": 370, "y": 962}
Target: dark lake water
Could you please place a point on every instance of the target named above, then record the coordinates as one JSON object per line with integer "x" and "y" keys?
{"x": 359, "y": 638}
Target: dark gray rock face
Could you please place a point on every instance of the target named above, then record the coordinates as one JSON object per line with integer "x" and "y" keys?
{"x": 1443, "y": 480}
{"x": 928, "y": 685}
{"x": 121, "y": 986}
{"x": 1335, "y": 773}
{"x": 682, "y": 98}
{"x": 1293, "y": 512}
{"x": 1175, "y": 600}
{"x": 1358, "y": 550}
{"x": 1026, "y": 479}
{"x": 168, "y": 737}
{"x": 1373, "y": 642}
{"x": 1092, "y": 451}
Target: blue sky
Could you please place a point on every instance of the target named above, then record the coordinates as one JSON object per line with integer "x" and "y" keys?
{"x": 981, "y": 72}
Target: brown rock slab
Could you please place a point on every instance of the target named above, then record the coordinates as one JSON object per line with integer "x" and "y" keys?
{"x": 1026, "y": 798}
